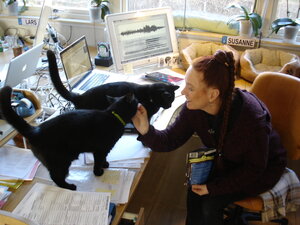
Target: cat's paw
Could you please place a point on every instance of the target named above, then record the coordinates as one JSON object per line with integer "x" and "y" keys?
{"x": 106, "y": 165}
{"x": 98, "y": 172}
{"x": 68, "y": 186}
{"x": 71, "y": 187}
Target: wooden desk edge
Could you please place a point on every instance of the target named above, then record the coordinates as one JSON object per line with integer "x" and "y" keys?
{"x": 122, "y": 207}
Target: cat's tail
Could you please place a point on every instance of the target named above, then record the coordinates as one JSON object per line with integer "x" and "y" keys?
{"x": 55, "y": 78}
{"x": 11, "y": 116}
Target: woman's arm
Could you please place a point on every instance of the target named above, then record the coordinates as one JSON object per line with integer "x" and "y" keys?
{"x": 166, "y": 140}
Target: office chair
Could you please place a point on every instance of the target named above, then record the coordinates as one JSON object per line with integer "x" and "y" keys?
{"x": 281, "y": 94}
{"x": 8, "y": 218}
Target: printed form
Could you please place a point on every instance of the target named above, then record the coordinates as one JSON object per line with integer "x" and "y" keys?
{"x": 51, "y": 205}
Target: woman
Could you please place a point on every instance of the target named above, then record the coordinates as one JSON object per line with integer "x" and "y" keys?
{"x": 250, "y": 158}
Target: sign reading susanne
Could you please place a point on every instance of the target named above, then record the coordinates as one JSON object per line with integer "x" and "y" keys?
{"x": 238, "y": 41}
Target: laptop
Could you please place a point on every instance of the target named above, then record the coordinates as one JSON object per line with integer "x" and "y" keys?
{"x": 76, "y": 62}
{"x": 22, "y": 66}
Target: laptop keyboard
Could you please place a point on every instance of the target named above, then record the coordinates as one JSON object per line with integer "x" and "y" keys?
{"x": 95, "y": 80}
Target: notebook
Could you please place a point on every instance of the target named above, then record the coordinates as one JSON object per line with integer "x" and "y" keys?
{"x": 22, "y": 66}
{"x": 76, "y": 61}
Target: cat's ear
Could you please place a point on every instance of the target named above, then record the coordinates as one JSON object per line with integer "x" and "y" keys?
{"x": 111, "y": 99}
{"x": 174, "y": 87}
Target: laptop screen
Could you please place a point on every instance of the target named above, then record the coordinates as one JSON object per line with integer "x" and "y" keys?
{"x": 76, "y": 58}
{"x": 23, "y": 66}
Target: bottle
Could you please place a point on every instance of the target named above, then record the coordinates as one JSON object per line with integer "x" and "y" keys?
{"x": 1, "y": 47}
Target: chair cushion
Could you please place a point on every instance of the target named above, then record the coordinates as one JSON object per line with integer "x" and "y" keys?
{"x": 199, "y": 49}
{"x": 251, "y": 203}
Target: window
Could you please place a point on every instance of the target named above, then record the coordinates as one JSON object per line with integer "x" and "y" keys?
{"x": 288, "y": 8}
{"x": 71, "y": 9}
{"x": 210, "y": 7}
{"x": 62, "y": 4}
{"x": 210, "y": 10}
{"x": 209, "y": 15}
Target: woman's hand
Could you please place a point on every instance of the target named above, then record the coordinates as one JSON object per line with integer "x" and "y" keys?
{"x": 140, "y": 120}
{"x": 200, "y": 189}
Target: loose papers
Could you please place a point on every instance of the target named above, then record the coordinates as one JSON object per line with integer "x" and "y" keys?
{"x": 50, "y": 205}
{"x": 128, "y": 152}
{"x": 117, "y": 182}
{"x": 16, "y": 162}
{"x": 16, "y": 165}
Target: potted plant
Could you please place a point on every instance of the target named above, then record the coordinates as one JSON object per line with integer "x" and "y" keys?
{"x": 290, "y": 26}
{"x": 249, "y": 22}
{"x": 99, "y": 8}
{"x": 13, "y": 7}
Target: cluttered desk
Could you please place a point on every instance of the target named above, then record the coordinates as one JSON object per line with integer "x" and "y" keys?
{"x": 30, "y": 185}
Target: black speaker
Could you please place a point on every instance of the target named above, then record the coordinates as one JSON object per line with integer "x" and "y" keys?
{"x": 103, "y": 61}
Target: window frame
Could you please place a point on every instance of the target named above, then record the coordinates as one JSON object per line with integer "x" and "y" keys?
{"x": 267, "y": 9}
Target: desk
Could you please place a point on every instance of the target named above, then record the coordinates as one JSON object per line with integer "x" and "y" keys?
{"x": 19, "y": 194}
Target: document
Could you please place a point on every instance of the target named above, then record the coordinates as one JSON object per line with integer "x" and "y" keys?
{"x": 50, "y": 205}
{"x": 16, "y": 162}
{"x": 117, "y": 182}
{"x": 127, "y": 152}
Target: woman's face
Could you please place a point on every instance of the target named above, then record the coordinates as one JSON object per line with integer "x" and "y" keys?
{"x": 198, "y": 94}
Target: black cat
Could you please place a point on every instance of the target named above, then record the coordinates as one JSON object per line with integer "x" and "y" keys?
{"x": 59, "y": 141}
{"x": 152, "y": 96}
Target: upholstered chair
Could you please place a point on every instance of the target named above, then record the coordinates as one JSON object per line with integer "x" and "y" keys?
{"x": 281, "y": 94}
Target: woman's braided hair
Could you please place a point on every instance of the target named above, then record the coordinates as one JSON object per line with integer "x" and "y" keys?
{"x": 219, "y": 72}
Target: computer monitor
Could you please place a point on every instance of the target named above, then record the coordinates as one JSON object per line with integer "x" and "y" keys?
{"x": 43, "y": 21}
{"x": 142, "y": 38}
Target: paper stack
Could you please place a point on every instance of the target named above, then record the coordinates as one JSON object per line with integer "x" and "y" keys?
{"x": 128, "y": 152}
{"x": 16, "y": 165}
{"x": 117, "y": 182}
{"x": 4, "y": 194}
{"x": 50, "y": 205}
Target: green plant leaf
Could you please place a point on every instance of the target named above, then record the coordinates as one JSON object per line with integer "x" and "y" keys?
{"x": 256, "y": 22}
{"x": 245, "y": 12}
{"x": 282, "y": 22}
{"x": 104, "y": 11}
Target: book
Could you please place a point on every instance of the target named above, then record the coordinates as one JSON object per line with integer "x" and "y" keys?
{"x": 163, "y": 77}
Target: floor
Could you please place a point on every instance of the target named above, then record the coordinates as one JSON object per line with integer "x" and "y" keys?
{"x": 162, "y": 192}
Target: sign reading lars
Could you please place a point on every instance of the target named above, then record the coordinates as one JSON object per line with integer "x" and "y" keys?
{"x": 28, "y": 21}
{"x": 238, "y": 41}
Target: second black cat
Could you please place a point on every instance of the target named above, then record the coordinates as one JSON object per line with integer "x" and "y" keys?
{"x": 59, "y": 141}
{"x": 152, "y": 96}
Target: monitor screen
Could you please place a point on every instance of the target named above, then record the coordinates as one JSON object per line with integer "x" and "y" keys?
{"x": 76, "y": 58}
{"x": 141, "y": 38}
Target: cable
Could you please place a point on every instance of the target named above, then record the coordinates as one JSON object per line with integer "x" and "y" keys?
{"x": 71, "y": 31}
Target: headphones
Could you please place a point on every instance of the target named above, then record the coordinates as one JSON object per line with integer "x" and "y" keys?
{"x": 103, "y": 49}
{"x": 22, "y": 106}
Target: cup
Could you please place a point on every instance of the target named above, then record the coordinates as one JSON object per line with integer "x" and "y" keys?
{"x": 17, "y": 51}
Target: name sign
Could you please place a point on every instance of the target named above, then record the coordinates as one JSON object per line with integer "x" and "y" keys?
{"x": 28, "y": 21}
{"x": 238, "y": 41}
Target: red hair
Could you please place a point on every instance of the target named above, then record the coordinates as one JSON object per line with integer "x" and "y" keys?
{"x": 218, "y": 71}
